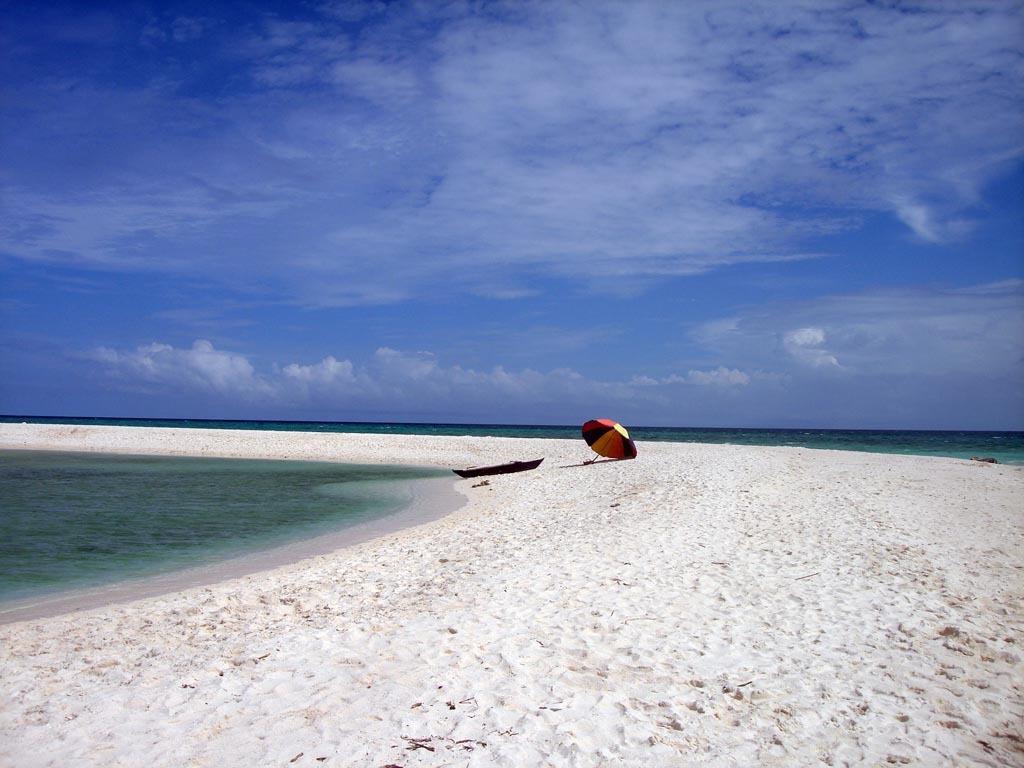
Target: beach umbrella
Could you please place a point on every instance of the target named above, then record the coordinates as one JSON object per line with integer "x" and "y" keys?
{"x": 609, "y": 438}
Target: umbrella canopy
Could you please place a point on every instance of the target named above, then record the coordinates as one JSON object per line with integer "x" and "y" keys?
{"x": 609, "y": 438}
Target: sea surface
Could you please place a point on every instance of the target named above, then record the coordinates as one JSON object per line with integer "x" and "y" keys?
{"x": 81, "y": 520}
{"x": 1006, "y": 447}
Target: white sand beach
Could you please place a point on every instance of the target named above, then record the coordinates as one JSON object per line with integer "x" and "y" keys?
{"x": 702, "y": 605}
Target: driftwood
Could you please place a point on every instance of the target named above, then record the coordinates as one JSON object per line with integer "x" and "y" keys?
{"x": 415, "y": 744}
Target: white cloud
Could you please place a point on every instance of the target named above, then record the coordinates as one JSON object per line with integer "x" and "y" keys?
{"x": 327, "y": 371}
{"x": 393, "y": 364}
{"x": 448, "y": 150}
{"x": 918, "y": 218}
{"x": 720, "y": 376}
{"x": 923, "y": 331}
{"x": 391, "y": 380}
{"x": 806, "y": 345}
{"x": 910, "y": 357}
{"x": 201, "y": 367}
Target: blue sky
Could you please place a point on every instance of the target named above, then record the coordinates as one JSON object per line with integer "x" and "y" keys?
{"x": 707, "y": 214}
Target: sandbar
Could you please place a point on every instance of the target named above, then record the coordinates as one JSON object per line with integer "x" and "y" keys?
{"x": 702, "y": 605}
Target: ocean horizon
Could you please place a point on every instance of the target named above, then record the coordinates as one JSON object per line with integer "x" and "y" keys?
{"x": 1006, "y": 446}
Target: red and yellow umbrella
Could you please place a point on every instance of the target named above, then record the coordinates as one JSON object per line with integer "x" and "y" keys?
{"x": 609, "y": 438}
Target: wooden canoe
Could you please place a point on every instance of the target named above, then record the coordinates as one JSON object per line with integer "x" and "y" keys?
{"x": 499, "y": 469}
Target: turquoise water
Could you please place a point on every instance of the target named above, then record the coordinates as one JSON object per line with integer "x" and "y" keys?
{"x": 1007, "y": 447}
{"x": 72, "y": 520}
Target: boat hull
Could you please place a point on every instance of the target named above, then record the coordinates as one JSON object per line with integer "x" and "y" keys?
{"x": 499, "y": 469}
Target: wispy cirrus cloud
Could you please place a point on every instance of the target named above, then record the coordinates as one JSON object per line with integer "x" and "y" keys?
{"x": 719, "y": 377}
{"x": 371, "y": 153}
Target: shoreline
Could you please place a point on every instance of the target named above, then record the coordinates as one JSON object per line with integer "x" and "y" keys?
{"x": 702, "y": 605}
{"x": 430, "y": 500}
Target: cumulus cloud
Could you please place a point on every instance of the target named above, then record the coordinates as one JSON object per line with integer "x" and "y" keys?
{"x": 720, "y": 376}
{"x": 969, "y": 334}
{"x": 806, "y": 345}
{"x": 977, "y": 330}
{"x": 327, "y": 371}
{"x": 391, "y": 380}
{"x": 200, "y": 367}
{"x": 912, "y": 357}
{"x": 452, "y": 149}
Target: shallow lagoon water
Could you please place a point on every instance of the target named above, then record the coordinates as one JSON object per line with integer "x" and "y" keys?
{"x": 74, "y": 520}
